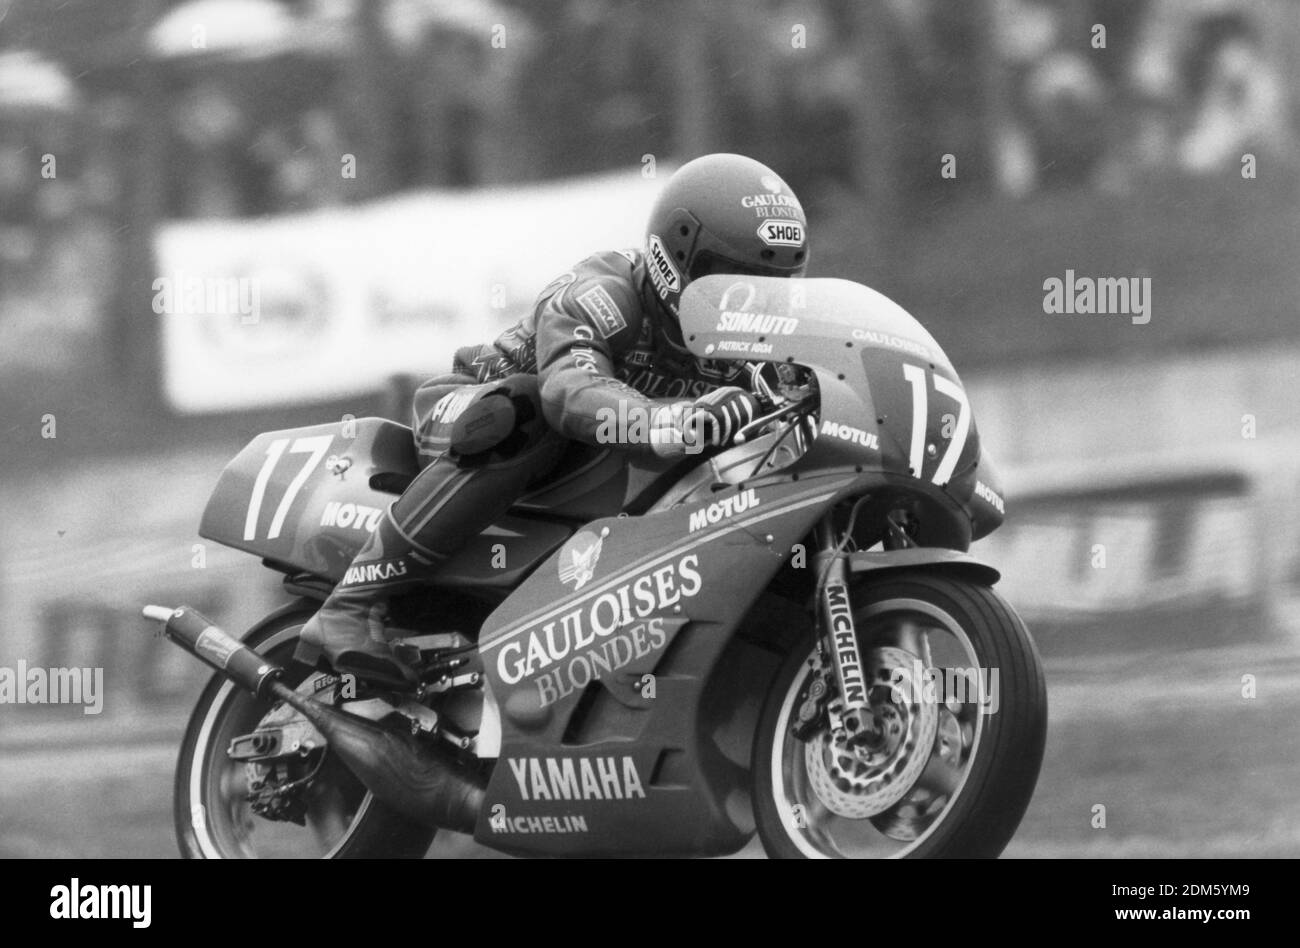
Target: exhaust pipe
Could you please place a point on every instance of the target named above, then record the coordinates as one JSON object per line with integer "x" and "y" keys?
{"x": 425, "y": 783}
{"x": 197, "y": 635}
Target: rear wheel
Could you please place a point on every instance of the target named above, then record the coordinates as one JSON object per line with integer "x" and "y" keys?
{"x": 957, "y": 690}
{"x": 213, "y": 813}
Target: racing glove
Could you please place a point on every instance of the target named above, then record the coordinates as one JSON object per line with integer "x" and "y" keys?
{"x": 714, "y": 420}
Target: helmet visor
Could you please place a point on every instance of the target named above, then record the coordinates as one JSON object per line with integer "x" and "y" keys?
{"x": 707, "y": 263}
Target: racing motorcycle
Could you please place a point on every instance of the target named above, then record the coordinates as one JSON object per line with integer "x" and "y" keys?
{"x": 788, "y": 636}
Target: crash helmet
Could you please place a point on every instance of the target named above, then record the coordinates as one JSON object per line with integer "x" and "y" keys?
{"x": 722, "y": 214}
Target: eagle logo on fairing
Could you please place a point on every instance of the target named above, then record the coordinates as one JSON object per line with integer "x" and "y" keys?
{"x": 578, "y": 560}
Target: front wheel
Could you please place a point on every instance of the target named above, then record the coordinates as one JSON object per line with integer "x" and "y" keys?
{"x": 957, "y": 693}
{"x": 340, "y": 819}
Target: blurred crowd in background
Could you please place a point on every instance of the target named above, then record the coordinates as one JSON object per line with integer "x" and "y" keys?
{"x": 856, "y": 103}
{"x": 953, "y": 154}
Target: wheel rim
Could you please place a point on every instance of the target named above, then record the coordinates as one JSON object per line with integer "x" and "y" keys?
{"x": 221, "y": 816}
{"x": 887, "y": 802}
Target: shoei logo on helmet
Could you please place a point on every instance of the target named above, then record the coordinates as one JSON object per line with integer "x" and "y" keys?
{"x": 578, "y": 559}
{"x": 781, "y": 233}
{"x": 662, "y": 271}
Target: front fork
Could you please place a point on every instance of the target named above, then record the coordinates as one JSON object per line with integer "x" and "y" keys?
{"x": 839, "y": 639}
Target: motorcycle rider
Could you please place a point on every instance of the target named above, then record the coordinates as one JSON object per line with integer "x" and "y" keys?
{"x": 602, "y": 338}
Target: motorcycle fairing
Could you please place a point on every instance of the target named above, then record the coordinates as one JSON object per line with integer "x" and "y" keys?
{"x": 305, "y": 499}
{"x": 593, "y": 760}
{"x": 890, "y": 399}
{"x": 308, "y": 497}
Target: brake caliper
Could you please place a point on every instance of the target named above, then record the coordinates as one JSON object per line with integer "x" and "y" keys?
{"x": 811, "y": 715}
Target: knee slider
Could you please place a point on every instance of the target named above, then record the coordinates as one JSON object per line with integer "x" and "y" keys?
{"x": 518, "y": 423}
{"x": 487, "y": 422}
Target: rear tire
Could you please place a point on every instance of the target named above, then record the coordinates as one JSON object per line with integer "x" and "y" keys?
{"x": 1001, "y": 768}
{"x": 374, "y": 830}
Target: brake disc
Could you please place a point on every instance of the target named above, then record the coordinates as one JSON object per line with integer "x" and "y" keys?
{"x": 858, "y": 781}
{"x": 908, "y": 819}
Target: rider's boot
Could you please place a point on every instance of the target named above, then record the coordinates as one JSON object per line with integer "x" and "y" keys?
{"x": 349, "y": 628}
{"x": 498, "y": 443}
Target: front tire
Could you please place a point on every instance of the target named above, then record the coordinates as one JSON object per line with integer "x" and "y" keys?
{"x": 213, "y": 819}
{"x": 812, "y": 799}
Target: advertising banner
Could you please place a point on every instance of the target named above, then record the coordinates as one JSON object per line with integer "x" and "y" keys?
{"x": 304, "y": 308}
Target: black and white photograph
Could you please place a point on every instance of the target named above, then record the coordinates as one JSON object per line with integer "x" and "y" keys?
{"x": 651, "y": 429}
